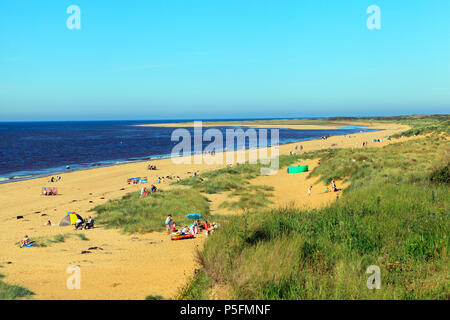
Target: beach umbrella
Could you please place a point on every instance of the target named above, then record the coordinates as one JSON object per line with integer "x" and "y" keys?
{"x": 194, "y": 216}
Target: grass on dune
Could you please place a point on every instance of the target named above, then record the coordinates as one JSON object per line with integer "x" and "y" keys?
{"x": 48, "y": 241}
{"x": 133, "y": 214}
{"x": 249, "y": 197}
{"x": 12, "y": 292}
{"x": 231, "y": 178}
{"x": 394, "y": 215}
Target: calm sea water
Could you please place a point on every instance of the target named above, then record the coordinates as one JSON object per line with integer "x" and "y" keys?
{"x": 31, "y": 149}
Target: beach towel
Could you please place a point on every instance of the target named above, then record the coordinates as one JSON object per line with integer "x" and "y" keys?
{"x": 29, "y": 244}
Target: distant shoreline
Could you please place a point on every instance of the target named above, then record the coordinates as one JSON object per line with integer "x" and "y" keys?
{"x": 273, "y": 123}
{"x": 296, "y": 124}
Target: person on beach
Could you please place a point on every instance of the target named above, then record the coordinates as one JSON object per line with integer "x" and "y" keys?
{"x": 89, "y": 223}
{"x": 206, "y": 226}
{"x": 168, "y": 223}
{"x": 78, "y": 224}
{"x": 193, "y": 228}
{"x": 48, "y": 223}
{"x": 333, "y": 185}
{"x": 309, "y": 190}
{"x": 25, "y": 241}
{"x": 185, "y": 230}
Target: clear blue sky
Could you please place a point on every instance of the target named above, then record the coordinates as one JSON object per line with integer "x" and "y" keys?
{"x": 162, "y": 59}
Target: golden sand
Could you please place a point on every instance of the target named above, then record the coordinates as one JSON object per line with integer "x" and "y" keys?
{"x": 128, "y": 266}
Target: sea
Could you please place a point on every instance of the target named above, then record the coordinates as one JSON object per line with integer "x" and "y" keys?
{"x": 34, "y": 149}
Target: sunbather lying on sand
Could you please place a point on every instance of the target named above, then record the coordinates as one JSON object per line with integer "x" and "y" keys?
{"x": 25, "y": 241}
{"x": 184, "y": 230}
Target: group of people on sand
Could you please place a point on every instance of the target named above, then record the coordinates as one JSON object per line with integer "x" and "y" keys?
{"x": 49, "y": 192}
{"x": 83, "y": 225}
{"x": 53, "y": 179}
{"x": 145, "y": 192}
{"x": 333, "y": 187}
{"x": 151, "y": 167}
{"x": 194, "y": 228}
{"x": 163, "y": 179}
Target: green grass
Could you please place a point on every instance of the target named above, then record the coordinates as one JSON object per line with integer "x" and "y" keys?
{"x": 48, "y": 241}
{"x": 249, "y": 197}
{"x": 395, "y": 215}
{"x": 231, "y": 178}
{"x": 12, "y": 292}
{"x": 133, "y": 214}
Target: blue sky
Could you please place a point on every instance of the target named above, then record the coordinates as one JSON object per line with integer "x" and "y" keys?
{"x": 167, "y": 59}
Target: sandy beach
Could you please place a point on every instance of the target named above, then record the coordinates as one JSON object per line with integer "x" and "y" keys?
{"x": 120, "y": 266}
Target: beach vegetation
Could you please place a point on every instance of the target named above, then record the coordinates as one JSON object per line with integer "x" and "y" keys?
{"x": 134, "y": 214}
{"x": 12, "y": 292}
{"x": 394, "y": 215}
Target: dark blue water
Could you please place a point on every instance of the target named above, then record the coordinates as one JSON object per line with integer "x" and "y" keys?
{"x": 29, "y": 149}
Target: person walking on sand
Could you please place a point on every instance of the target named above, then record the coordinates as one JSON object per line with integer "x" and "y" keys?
{"x": 309, "y": 190}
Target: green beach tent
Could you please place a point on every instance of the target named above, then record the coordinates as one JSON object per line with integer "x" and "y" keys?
{"x": 297, "y": 169}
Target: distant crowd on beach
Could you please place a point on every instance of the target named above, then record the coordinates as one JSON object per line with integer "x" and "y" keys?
{"x": 53, "y": 179}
